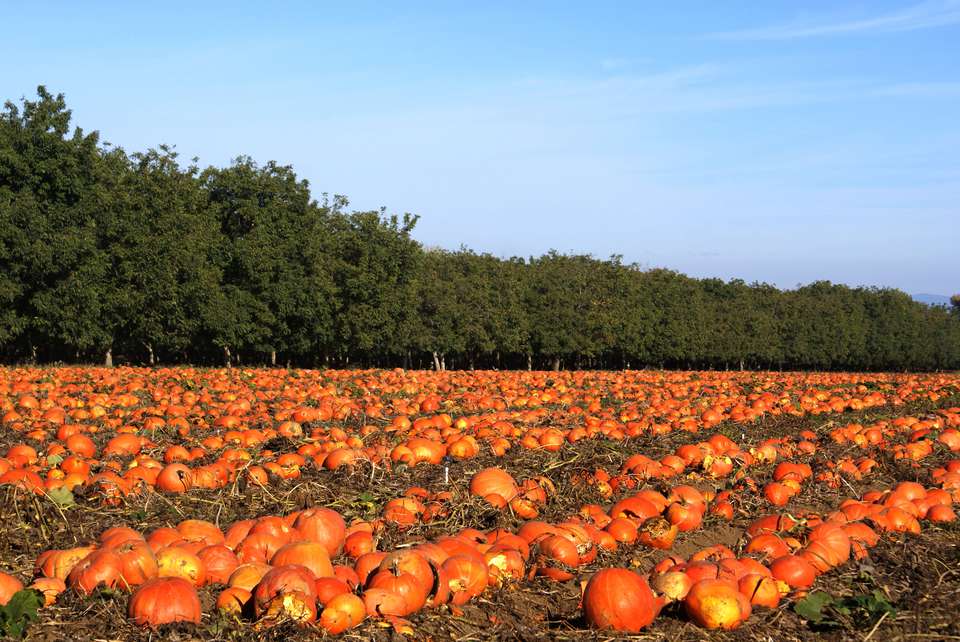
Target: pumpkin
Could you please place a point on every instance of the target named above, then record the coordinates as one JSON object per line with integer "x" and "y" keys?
{"x": 619, "y": 600}
{"x": 247, "y": 576}
{"x": 202, "y": 530}
{"x": 219, "y": 563}
{"x": 341, "y": 613}
{"x": 99, "y": 568}
{"x": 717, "y": 604}
{"x": 411, "y": 588}
{"x": 557, "y": 557}
{"x": 761, "y": 590}
{"x": 174, "y": 561}
{"x": 286, "y": 592}
{"x": 673, "y": 585}
{"x": 380, "y": 602}
{"x": 658, "y": 533}
{"x": 793, "y": 570}
{"x": 408, "y": 561}
{"x": 504, "y": 565}
{"x": 50, "y": 587}
{"x": 233, "y": 600}
{"x": 467, "y": 577}
{"x": 637, "y": 508}
{"x": 328, "y": 588}
{"x": 324, "y": 526}
{"x": 258, "y": 547}
{"x": 312, "y": 555}
{"x": 164, "y": 600}
{"x": 175, "y": 478}
{"x": 494, "y": 481}
{"x": 59, "y": 563}
{"x": 9, "y": 585}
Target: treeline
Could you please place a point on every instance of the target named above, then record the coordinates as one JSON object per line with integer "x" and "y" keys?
{"x": 106, "y": 255}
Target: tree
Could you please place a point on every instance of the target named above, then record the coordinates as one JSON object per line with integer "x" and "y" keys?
{"x": 57, "y": 191}
{"x": 103, "y": 252}
{"x": 374, "y": 265}
{"x": 265, "y": 216}
{"x": 167, "y": 267}
{"x": 558, "y": 299}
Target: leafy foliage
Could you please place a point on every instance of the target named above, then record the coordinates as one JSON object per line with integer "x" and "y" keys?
{"x": 106, "y": 255}
{"x": 21, "y": 611}
{"x": 826, "y": 611}
{"x": 63, "y": 497}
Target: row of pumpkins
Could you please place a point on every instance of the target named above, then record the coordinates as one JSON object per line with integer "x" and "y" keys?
{"x": 279, "y": 568}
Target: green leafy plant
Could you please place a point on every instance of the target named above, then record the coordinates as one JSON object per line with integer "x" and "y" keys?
{"x": 20, "y": 612}
{"x": 826, "y": 611}
{"x": 366, "y": 504}
{"x": 63, "y": 497}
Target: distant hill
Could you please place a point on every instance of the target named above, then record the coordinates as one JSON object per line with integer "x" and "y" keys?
{"x": 932, "y": 299}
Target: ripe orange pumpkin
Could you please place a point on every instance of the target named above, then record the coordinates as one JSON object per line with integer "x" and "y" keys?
{"x": 466, "y": 576}
{"x": 50, "y": 587}
{"x": 99, "y": 568}
{"x": 324, "y": 526}
{"x": 233, "y": 600}
{"x": 9, "y": 585}
{"x": 164, "y": 600}
{"x": 312, "y": 555}
{"x": 794, "y": 570}
{"x": 175, "y": 478}
{"x": 219, "y": 562}
{"x": 619, "y": 600}
{"x": 341, "y": 613}
{"x": 494, "y": 481}
{"x": 286, "y": 592}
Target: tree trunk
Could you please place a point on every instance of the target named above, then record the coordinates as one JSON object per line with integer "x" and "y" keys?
{"x": 443, "y": 362}
{"x": 556, "y": 364}
{"x": 33, "y": 353}
{"x": 151, "y": 359}
{"x": 436, "y": 361}
{"x": 108, "y": 358}
{"x": 226, "y": 356}
{"x": 529, "y": 362}
{"x": 273, "y": 358}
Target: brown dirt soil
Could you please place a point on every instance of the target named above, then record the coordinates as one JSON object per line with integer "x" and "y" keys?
{"x": 920, "y": 575}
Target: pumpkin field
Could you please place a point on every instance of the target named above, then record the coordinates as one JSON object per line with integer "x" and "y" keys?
{"x": 242, "y": 504}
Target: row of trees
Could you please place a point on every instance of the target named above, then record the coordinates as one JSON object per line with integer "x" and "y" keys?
{"x": 135, "y": 257}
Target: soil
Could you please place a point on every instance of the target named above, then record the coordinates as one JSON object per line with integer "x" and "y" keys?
{"x": 919, "y": 575}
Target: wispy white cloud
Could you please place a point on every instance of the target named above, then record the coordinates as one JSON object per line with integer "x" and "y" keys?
{"x": 926, "y": 15}
{"x": 921, "y": 90}
{"x": 613, "y": 64}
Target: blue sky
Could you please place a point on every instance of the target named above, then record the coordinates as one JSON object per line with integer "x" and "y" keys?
{"x": 775, "y": 141}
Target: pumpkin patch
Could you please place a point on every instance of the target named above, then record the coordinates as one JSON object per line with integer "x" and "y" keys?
{"x": 350, "y": 501}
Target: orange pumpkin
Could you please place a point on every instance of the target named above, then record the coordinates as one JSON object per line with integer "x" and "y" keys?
{"x": 619, "y": 600}
{"x": 164, "y": 600}
{"x": 717, "y": 604}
